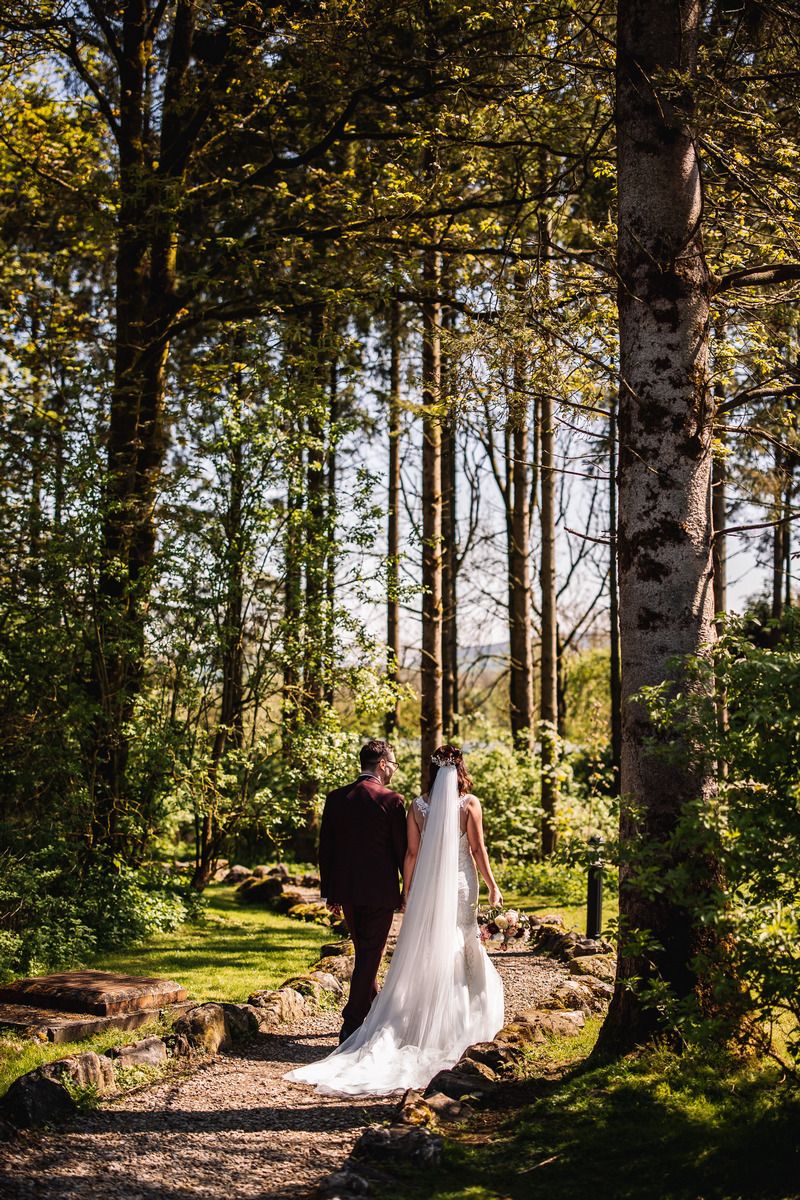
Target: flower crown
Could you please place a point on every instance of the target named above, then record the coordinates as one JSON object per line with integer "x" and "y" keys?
{"x": 440, "y": 760}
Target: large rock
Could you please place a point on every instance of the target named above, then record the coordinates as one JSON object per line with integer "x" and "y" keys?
{"x": 204, "y": 1028}
{"x": 149, "y": 1052}
{"x": 536, "y": 1025}
{"x": 602, "y": 966}
{"x": 585, "y": 992}
{"x": 242, "y": 1021}
{"x": 497, "y": 1056}
{"x": 552, "y": 1022}
{"x": 286, "y": 900}
{"x": 339, "y": 965}
{"x": 519, "y": 1033}
{"x": 284, "y": 1005}
{"x": 466, "y": 1078}
{"x": 259, "y": 891}
{"x": 337, "y": 949}
{"x": 345, "y": 1184}
{"x": 327, "y": 981}
{"x": 237, "y": 874}
{"x": 585, "y": 946}
{"x": 214, "y": 1027}
{"x": 48, "y": 1093}
{"x": 397, "y": 1142}
{"x": 310, "y": 985}
{"x": 553, "y": 939}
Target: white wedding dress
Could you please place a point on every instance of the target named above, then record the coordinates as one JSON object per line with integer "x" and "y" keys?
{"x": 441, "y": 993}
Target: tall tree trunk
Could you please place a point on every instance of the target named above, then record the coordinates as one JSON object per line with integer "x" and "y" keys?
{"x": 450, "y": 682}
{"x": 145, "y": 301}
{"x": 431, "y": 663}
{"x": 613, "y": 607}
{"x": 778, "y": 540}
{"x": 293, "y": 614}
{"x": 450, "y": 697}
{"x": 393, "y": 515}
{"x": 665, "y": 425}
{"x": 331, "y": 515}
{"x": 230, "y": 723}
{"x": 791, "y": 464}
{"x": 548, "y": 722}
{"x": 316, "y": 401}
{"x": 520, "y": 617}
{"x": 719, "y": 520}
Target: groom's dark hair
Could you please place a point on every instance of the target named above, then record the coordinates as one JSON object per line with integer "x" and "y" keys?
{"x": 372, "y": 752}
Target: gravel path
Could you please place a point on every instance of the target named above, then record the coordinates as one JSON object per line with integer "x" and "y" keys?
{"x": 232, "y": 1128}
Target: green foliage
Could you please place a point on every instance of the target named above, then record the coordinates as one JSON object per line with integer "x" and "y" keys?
{"x": 588, "y": 704}
{"x": 51, "y": 919}
{"x": 751, "y": 829}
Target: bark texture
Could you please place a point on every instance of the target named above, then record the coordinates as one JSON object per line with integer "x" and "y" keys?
{"x": 665, "y": 567}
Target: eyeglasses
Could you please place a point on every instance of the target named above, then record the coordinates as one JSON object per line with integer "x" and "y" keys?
{"x": 390, "y": 762}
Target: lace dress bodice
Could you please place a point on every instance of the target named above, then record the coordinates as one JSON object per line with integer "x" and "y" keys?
{"x": 467, "y": 873}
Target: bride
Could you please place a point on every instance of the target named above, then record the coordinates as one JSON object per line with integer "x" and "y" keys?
{"x": 441, "y": 992}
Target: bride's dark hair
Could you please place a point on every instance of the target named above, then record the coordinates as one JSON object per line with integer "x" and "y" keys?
{"x": 445, "y": 755}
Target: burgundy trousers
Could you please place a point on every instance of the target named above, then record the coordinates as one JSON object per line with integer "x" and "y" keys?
{"x": 369, "y": 928}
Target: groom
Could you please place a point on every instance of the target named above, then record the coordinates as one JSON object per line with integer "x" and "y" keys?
{"x": 362, "y": 846}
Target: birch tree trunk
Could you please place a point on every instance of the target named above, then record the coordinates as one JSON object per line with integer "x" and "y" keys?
{"x": 665, "y": 414}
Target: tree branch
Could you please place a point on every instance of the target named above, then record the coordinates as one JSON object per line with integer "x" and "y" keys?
{"x": 762, "y": 276}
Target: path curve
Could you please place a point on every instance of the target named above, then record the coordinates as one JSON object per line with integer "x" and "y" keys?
{"x": 231, "y": 1128}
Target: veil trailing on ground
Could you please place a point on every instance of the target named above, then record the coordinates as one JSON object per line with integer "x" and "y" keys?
{"x": 421, "y": 1020}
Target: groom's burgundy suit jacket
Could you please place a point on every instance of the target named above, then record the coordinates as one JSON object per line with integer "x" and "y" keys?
{"x": 362, "y": 845}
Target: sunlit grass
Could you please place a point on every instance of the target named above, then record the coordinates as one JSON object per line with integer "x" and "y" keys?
{"x": 233, "y": 951}
{"x": 19, "y": 1055}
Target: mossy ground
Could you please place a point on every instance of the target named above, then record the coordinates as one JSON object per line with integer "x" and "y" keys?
{"x": 656, "y": 1126}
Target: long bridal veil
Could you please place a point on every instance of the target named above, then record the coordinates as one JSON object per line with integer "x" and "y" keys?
{"x": 423, "y": 1017}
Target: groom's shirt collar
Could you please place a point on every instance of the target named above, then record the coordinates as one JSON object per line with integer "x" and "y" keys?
{"x": 368, "y": 775}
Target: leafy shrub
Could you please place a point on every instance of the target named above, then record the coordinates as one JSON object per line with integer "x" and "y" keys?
{"x": 753, "y": 827}
{"x": 52, "y": 919}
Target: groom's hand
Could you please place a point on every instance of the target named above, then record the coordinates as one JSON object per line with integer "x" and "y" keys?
{"x": 335, "y": 909}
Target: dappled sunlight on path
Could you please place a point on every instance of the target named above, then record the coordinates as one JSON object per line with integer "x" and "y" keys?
{"x": 234, "y": 1127}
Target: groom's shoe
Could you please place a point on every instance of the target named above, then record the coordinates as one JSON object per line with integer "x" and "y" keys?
{"x": 346, "y": 1030}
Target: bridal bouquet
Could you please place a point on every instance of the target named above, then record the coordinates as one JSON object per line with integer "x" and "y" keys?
{"x": 500, "y": 928}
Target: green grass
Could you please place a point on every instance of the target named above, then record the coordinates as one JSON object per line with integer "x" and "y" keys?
{"x": 19, "y": 1055}
{"x": 653, "y": 1127}
{"x": 233, "y": 951}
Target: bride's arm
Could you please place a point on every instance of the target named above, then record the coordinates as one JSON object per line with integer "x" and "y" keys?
{"x": 478, "y": 847}
{"x": 412, "y": 850}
